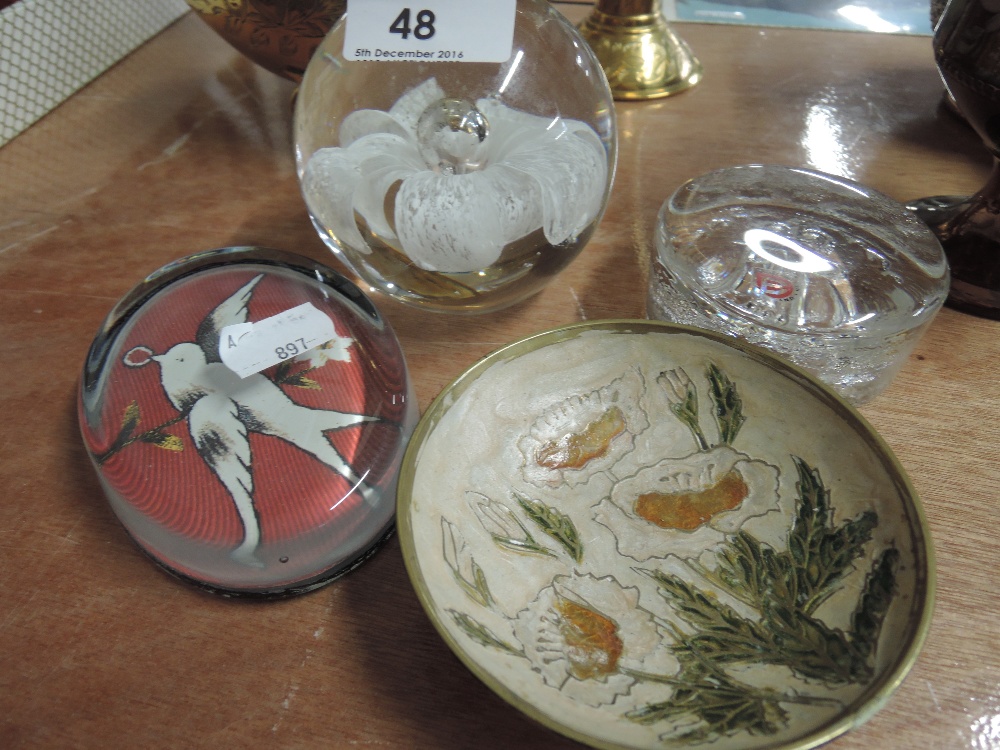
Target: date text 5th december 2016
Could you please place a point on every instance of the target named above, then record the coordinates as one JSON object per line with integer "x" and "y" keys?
{"x": 389, "y": 54}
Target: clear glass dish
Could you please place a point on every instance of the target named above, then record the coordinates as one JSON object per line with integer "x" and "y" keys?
{"x": 840, "y": 279}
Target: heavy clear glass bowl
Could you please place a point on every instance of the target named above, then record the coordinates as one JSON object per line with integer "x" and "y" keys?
{"x": 459, "y": 186}
{"x": 838, "y": 278}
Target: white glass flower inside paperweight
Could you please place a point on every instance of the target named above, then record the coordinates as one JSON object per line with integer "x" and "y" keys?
{"x": 458, "y": 186}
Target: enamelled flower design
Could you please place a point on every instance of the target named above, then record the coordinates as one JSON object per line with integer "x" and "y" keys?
{"x": 452, "y": 184}
{"x": 684, "y": 506}
{"x": 583, "y": 435}
{"x": 587, "y": 636}
{"x": 504, "y": 526}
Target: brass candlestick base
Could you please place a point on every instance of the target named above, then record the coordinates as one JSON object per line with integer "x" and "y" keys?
{"x": 641, "y": 55}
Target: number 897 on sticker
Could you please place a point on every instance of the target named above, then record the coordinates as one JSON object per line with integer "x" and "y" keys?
{"x": 291, "y": 349}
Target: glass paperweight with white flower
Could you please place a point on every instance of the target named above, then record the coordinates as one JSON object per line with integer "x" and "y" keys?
{"x": 458, "y": 185}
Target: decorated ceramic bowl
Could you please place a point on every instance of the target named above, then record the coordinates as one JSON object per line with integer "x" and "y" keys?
{"x": 645, "y": 535}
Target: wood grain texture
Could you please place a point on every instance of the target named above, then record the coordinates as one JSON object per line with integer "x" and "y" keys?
{"x": 185, "y": 146}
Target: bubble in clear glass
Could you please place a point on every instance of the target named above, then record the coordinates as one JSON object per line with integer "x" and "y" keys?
{"x": 450, "y": 133}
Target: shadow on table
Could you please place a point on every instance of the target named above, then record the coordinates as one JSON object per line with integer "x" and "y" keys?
{"x": 425, "y": 688}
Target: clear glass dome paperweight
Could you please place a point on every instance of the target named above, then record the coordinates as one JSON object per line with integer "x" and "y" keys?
{"x": 456, "y": 185}
{"x": 246, "y": 411}
{"x": 838, "y": 278}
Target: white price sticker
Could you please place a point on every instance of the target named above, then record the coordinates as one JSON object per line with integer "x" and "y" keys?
{"x": 247, "y": 348}
{"x": 430, "y": 30}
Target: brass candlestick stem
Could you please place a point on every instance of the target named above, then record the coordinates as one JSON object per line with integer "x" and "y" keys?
{"x": 641, "y": 55}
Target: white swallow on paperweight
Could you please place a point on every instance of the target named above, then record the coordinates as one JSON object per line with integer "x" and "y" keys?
{"x": 222, "y": 409}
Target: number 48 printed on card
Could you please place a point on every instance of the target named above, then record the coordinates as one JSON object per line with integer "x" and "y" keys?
{"x": 423, "y": 30}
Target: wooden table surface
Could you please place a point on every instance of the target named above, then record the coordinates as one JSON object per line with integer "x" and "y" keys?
{"x": 185, "y": 146}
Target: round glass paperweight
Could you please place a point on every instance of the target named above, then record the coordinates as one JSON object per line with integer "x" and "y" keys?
{"x": 457, "y": 185}
{"x": 836, "y": 277}
{"x": 246, "y": 412}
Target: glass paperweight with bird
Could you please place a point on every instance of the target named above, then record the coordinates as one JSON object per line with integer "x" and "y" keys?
{"x": 267, "y": 476}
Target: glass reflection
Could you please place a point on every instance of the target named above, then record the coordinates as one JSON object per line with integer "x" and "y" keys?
{"x": 824, "y": 142}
